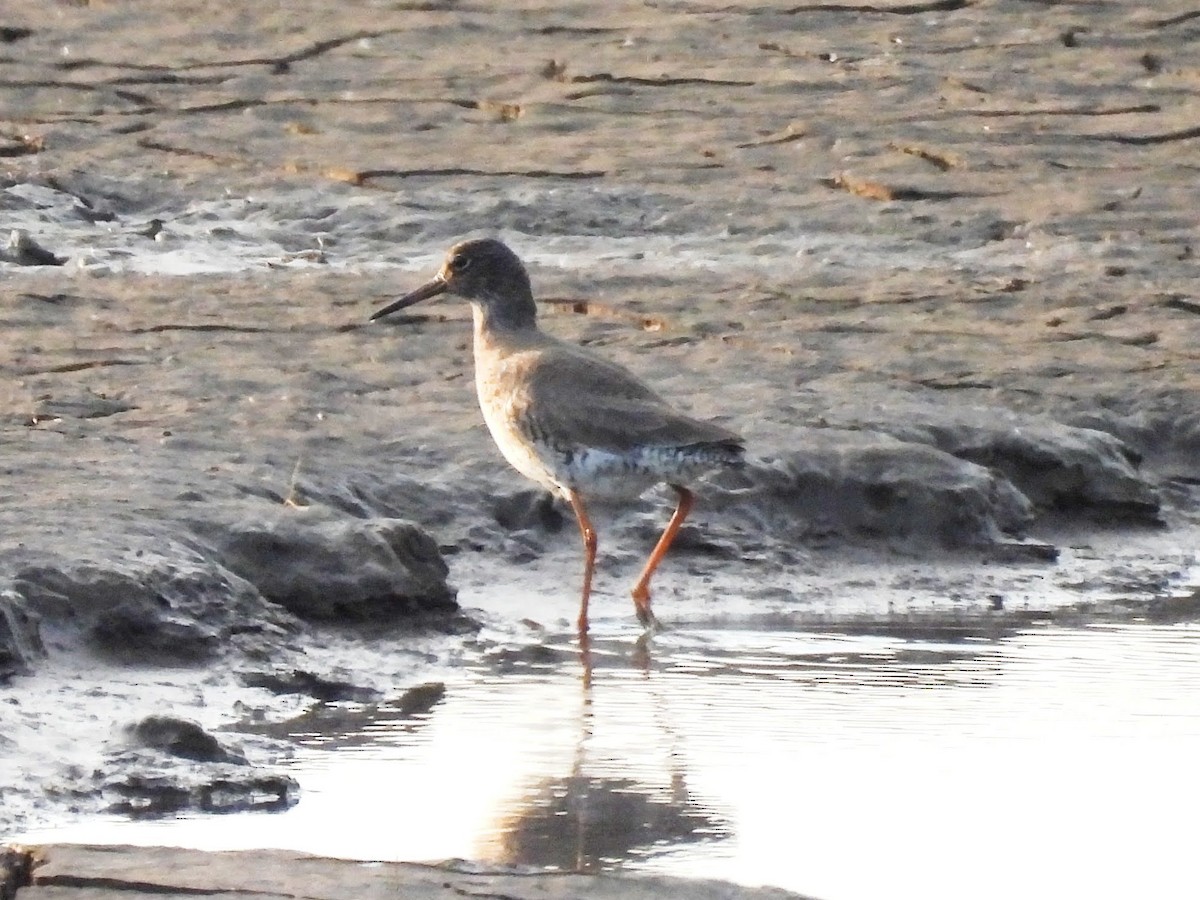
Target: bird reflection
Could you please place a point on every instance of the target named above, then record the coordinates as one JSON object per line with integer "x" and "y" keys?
{"x": 589, "y": 819}
{"x": 640, "y": 658}
{"x": 582, "y": 823}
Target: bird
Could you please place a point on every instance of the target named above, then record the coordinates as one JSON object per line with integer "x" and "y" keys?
{"x": 568, "y": 419}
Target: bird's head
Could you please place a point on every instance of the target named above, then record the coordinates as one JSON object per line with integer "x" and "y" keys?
{"x": 485, "y": 272}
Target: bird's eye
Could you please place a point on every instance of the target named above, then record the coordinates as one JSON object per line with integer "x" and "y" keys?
{"x": 459, "y": 262}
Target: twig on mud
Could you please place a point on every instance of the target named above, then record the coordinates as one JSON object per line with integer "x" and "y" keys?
{"x": 293, "y": 499}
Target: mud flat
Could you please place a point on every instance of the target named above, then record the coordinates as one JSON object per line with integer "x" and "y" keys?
{"x": 936, "y": 262}
{"x": 96, "y": 873}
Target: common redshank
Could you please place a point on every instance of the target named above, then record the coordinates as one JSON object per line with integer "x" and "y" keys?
{"x": 575, "y": 423}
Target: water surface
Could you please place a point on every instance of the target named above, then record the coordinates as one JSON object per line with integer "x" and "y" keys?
{"x": 1049, "y": 763}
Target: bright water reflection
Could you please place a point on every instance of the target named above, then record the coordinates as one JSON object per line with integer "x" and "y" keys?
{"x": 1054, "y": 763}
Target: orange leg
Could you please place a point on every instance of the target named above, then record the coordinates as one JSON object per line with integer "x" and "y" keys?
{"x": 589, "y": 558}
{"x": 641, "y": 590}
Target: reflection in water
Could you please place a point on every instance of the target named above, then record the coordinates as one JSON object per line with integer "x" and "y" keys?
{"x": 586, "y": 820}
{"x": 355, "y": 725}
{"x": 1049, "y": 763}
{"x": 581, "y": 823}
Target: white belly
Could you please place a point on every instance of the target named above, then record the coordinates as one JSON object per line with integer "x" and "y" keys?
{"x": 594, "y": 473}
{"x": 522, "y": 454}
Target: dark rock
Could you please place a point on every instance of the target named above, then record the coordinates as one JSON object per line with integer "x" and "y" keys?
{"x": 1064, "y": 468}
{"x": 1170, "y": 436}
{"x": 866, "y": 484}
{"x": 139, "y": 786}
{"x": 149, "y": 782}
{"x": 692, "y": 539}
{"x": 367, "y": 495}
{"x": 522, "y": 547}
{"x": 323, "y": 568}
{"x": 183, "y": 738}
{"x": 266, "y": 791}
{"x": 148, "y": 795}
{"x": 159, "y": 603}
{"x": 1058, "y": 467}
{"x": 297, "y": 681}
{"x": 1143, "y": 432}
{"x": 127, "y": 633}
{"x": 22, "y": 250}
{"x": 20, "y": 638}
{"x": 528, "y": 509}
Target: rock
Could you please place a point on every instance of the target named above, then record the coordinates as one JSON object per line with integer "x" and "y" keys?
{"x": 320, "y": 567}
{"x": 390, "y": 495}
{"x": 20, "y": 638}
{"x": 858, "y": 483}
{"x": 1058, "y": 467}
{"x": 1169, "y": 435}
{"x": 153, "y": 602}
{"x": 128, "y": 635}
{"x": 183, "y": 738}
{"x": 146, "y": 781}
{"x": 22, "y": 250}
{"x": 141, "y": 783}
{"x": 528, "y": 509}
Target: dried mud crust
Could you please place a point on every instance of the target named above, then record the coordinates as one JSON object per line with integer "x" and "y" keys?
{"x": 928, "y": 101}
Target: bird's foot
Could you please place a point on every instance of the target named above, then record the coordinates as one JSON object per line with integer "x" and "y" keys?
{"x": 649, "y": 620}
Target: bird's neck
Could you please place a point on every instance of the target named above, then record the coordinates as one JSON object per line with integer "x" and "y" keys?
{"x": 497, "y": 341}
{"x": 512, "y": 316}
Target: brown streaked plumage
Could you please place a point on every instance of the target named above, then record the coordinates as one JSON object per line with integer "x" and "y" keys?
{"x": 570, "y": 420}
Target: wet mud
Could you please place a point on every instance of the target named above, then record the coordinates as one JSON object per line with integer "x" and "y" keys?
{"x": 935, "y": 261}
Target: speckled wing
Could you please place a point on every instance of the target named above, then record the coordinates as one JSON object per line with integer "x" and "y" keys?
{"x": 581, "y": 400}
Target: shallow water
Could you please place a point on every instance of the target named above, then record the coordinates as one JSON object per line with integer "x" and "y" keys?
{"x": 1050, "y": 763}
{"x": 344, "y": 229}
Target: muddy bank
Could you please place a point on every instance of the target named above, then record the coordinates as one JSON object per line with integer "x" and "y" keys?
{"x": 207, "y": 493}
{"x": 934, "y": 262}
{"x": 97, "y": 873}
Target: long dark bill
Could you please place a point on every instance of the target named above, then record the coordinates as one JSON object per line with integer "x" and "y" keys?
{"x": 424, "y": 292}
